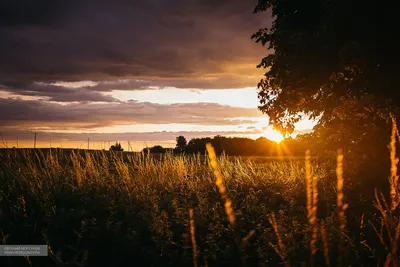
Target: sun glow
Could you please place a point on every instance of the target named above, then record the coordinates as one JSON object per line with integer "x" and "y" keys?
{"x": 273, "y": 135}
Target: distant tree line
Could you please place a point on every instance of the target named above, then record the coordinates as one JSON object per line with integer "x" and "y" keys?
{"x": 116, "y": 147}
{"x": 237, "y": 146}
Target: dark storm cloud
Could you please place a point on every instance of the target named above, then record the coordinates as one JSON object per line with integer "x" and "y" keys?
{"x": 25, "y": 12}
{"x": 180, "y": 41}
{"x": 33, "y": 113}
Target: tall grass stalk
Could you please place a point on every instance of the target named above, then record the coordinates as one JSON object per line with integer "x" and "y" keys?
{"x": 193, "y": 237}
{"x": 394, "y": 178}
{"x": 280, "y": 247}
{"x": 227, "y": 201}
{"x": 341, "y": 206}
{"x": 312, "y": 203}
{"x": 221, "y": 186}
{"x": 325, "y": 244}
{"x": 390, "y": 214}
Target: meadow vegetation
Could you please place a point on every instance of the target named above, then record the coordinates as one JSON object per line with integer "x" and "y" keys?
{"x": 341, "y": 208}
{"x": 106, "y": 209}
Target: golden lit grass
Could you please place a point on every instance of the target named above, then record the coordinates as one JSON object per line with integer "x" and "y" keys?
{"x": 106, "y": 193}
{"x": 325, "y": 244}
{"x": 312, "y": 205}
{"x": 394, "y": 178}
{"x": 339, "y": 201}
{"x": 341, "y": 207}
{"x": 390, "y": 214}
{"x": 193, "y": 237}
{"x": 279, "y": 248}
{"x": 220, "y": 184}
{"x": 241, "y": 244}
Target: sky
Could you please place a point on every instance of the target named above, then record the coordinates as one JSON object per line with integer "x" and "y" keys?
{"x": 142, "y": 72}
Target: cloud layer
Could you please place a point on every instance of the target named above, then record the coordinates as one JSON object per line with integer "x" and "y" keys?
{"x": 24, "y": 113}
{"x": 181, "y": 41}
{"x": 49, "y": 47}
{"x": 163, "y": 136}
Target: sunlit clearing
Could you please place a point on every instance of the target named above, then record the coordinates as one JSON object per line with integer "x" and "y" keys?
{"x": 274, "y": 135}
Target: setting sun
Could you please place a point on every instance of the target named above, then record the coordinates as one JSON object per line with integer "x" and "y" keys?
{"x": 274, "y": 135}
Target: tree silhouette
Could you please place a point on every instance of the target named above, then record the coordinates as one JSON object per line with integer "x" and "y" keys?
{"x": 155, "y": 149}
{"x": 116, "y": 147}
{"x": 335, "y": 61}
{"x": 181, "y": 143}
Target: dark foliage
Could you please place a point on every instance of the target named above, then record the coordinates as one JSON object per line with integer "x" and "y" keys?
{"x": 116, "y": 147}
{"x": 236, "y": 146}
{"x": 156, "y": 149}
{"x": 181, "y": 143}
{"x": 336, "y": 61}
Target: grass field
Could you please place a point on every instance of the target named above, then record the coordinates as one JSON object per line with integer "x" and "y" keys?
{"x": 111, "y": 209}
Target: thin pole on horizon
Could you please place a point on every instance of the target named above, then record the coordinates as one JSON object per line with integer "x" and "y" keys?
{"x": 50, "y": 143}
{"x": 34, "y": 143}
{"x": 17, "y": 142}
{"x": 88, "y": 143}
